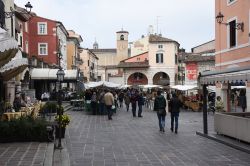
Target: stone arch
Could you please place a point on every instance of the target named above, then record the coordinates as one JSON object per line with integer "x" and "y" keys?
{"x": 161, "y": 78}
{"x": 137, "y": 78}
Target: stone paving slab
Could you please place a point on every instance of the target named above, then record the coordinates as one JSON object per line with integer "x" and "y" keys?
{"x": 26, "y": 154}
{"x": 96, "y": 141}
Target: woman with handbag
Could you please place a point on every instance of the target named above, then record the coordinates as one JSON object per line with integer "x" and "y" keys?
{"x": 159, "y": 107}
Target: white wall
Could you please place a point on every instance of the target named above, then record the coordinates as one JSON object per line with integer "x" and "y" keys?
{"x": 139, "y": 46}
{"x": 63, "y": 44}
{"x": 248, "y": 98}
{"x": 8, "y": 4}
{"x": 117, "y": 80}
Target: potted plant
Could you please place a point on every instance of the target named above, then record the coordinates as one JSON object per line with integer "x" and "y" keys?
{"x": 65, "y": 120}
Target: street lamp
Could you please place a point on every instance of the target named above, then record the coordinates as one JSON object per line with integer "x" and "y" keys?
{"x": 60, "y": 77}
{"x": 11, "y": 13}
{"x": 238, "y": 26}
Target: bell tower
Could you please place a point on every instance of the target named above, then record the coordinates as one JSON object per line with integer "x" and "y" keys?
{"x": 121, "y": 45}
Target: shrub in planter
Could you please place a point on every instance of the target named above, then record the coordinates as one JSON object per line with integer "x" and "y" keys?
{"x": 23, "y": 129}
{"x": 65, "y": 120}
{"x": 49, "y": 107}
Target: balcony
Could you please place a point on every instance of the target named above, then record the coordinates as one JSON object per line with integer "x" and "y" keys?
{"x": 79, "y": 61}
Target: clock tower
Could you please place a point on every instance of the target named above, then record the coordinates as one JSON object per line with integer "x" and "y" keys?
{"x": 121, "y": 45}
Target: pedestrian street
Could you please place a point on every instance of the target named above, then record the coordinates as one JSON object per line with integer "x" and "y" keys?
{"x": 93, "y": 140}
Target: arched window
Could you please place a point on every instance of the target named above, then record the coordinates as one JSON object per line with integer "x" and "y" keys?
{"x": 122, "y": 37}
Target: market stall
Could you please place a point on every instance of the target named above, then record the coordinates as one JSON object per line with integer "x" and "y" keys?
{"x": 189, "y": 98}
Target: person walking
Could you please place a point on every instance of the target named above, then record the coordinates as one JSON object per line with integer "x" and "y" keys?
{"x": 127, "y": 101}
{"x": 159, "y": 107}
{"x": 140, "y": 104}
{"x": 133, "y": 100}
{"x": 120, "y": 98}
{"x": 109, "y": 101}
{"x": 94, "y": 103}
{"x": 243, "y": 100}
{"x": 174, "y": 108}
{"x": 101, "y": 103}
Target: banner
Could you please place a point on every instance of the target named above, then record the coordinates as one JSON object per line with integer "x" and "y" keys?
{"x": 191, "y": 70}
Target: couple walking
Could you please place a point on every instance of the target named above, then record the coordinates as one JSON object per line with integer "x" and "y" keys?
{"x": 173, "y": 107}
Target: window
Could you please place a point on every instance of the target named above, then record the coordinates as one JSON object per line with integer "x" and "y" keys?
{"x": 42, "y": 28}
{"x": 122, "y": 37}
{"x": 26, "y": 26}
{"x": 159, "y": 58}
{"x": 160, "y": 46}
{"x": 232, "y": 33}
{"x": 42, "y": 49}
{"x": 229, "y": 2}
{"x": 21, "y": 41}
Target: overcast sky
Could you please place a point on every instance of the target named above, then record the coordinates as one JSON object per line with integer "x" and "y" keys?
{"x": 190, "y": 22}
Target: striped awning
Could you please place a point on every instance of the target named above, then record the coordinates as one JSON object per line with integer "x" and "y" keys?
{"x": 232, "y": 75}
{"x": 14, "y": 67}
{"x": 8, "y": 47}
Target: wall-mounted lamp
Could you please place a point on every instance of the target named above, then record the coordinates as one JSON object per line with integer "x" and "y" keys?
{"x": 11, "y": 13}
{"x": 219, "y": 19}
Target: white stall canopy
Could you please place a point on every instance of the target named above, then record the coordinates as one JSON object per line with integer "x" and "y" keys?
{"x": 101, "y": 83}
{"x": 184, "y": 87}
{"x": 50, "y": 74}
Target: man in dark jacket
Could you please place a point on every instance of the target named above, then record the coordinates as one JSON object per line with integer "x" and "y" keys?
{"x": 159, "y": 107}
{"x": 134, "y": 99}
{"x": 140, "y": 104}
{"x": 174, "y": 108}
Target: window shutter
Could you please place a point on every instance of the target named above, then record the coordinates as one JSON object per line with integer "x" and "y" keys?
{"x": 157, "y": 58}
{"x": 161, "y": 58}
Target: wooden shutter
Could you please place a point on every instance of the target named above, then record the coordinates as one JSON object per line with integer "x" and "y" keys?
{"x": 157, "y": 58}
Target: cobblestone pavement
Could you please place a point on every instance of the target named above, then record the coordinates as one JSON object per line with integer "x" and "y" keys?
{"x": 127, "y": 141}
{"x": 24, "y": 154}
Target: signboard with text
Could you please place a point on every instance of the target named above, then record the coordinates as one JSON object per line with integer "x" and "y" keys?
{"x": 191, "y": 70}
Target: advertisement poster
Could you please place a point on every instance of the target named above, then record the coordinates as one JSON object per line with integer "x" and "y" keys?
{"x": 192, "y": 71}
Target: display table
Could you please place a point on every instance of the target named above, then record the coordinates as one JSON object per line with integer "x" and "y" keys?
{"x": 194, "y": 105}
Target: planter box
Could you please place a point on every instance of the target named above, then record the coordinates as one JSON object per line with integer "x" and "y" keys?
{"x": 236, "y": 125}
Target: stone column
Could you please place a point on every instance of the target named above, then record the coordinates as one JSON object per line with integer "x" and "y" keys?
{"x": 10, "y": 91}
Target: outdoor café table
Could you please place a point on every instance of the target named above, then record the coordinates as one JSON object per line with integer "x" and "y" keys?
{"x": 27, "y": 110}
{"x": 11, "y": 115}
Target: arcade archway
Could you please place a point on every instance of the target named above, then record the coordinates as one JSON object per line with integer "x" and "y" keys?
{"x": 137, "y": 79}
{"x": 161, "y": 78}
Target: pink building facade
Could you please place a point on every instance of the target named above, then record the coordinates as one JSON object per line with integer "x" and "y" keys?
{"x": 232, "y": 51}
{"x": 231, "y": 36}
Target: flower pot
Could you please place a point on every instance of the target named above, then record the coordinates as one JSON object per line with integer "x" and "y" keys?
{"x": 62, "y": 132}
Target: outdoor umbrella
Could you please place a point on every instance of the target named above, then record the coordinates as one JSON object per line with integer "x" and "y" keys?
{"x": 17, "y": 65}
{"x": 8, "y": 47}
